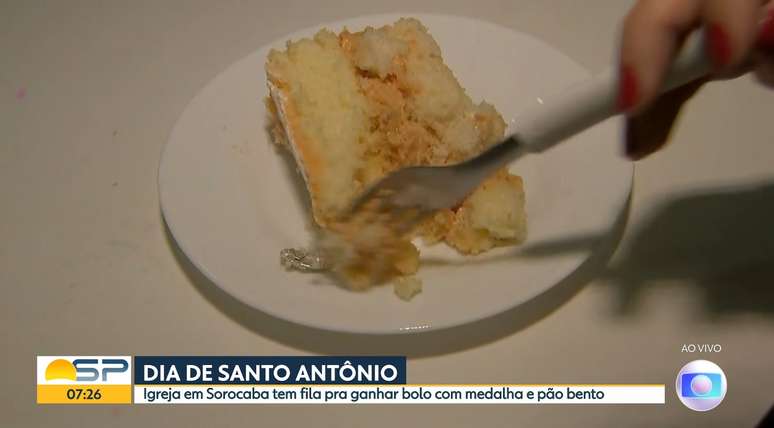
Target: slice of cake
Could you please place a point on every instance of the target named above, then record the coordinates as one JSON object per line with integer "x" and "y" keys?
{"x": 353, "y": 107}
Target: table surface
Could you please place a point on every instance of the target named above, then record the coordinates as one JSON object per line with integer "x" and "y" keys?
{"x": 89, "y": 92}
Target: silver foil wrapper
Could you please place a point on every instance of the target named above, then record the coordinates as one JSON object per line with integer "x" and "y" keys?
{"x": 304, "y": 260}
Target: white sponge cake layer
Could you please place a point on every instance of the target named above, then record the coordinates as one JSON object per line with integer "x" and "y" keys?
{"x": 314, "y": 86}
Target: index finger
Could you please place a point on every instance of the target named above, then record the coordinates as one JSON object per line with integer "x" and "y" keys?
{"x": 652, "y": 31}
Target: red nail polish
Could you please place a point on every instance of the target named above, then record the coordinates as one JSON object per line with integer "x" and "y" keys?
{"x": 719, "y": 46}
{"x": 766, "y": 35}
{"x": 628, "y": 90}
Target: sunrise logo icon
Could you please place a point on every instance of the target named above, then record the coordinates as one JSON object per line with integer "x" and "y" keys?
{"x": 60, "y": 369}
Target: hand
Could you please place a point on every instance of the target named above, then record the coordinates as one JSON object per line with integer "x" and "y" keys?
{"x": 740, "y": 35}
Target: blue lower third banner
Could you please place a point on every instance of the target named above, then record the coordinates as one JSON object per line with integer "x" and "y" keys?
{"x": 269, "y": 370}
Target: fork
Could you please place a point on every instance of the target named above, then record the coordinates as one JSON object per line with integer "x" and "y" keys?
{"x": 408, "y": 195}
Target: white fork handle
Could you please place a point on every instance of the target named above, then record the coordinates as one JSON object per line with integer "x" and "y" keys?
{"x": 594, "y": 100}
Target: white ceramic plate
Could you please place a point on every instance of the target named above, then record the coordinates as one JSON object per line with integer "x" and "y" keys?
{"x": 232, "y": 203}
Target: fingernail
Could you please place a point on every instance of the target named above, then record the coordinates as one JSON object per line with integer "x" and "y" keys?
{"x": 719, "y": 46}
{"x": 628, "y": 90}
{"x": 766, "y": 35}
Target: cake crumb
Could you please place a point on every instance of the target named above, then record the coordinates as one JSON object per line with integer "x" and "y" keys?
{"x": 406, "y": 287}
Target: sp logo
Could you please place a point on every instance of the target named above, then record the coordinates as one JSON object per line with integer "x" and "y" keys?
{"x": 86, "y": 369}
{"x": 90, "y": 369}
